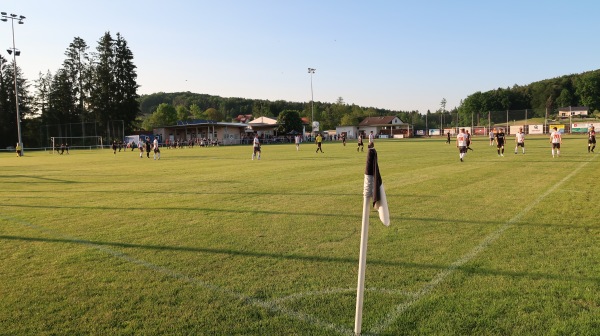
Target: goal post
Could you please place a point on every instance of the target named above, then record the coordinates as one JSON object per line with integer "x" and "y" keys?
{"x": 60, "y": 143}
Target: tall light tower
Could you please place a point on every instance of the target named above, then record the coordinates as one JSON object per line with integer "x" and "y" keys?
{"x": 311, "y": 71}
{"x": 15, "y": 52}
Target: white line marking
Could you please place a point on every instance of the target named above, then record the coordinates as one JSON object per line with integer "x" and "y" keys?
{"x": 272, "y": 306}
{"x": 399, "y": 309}
{"x": 303, "y": 295}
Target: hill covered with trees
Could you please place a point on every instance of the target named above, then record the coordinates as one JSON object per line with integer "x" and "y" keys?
{"x": 538, "y": 99}
{"x": 542, "y": 98}
{"x": 96, "y": 94}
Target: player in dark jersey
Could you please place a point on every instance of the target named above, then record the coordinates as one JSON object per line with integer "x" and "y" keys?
{"x": 148, "y": 147}
{"x": 360, "y": 146}
{"x": 591, "y": 139}
{"x": 468, "y": 140}
{"x": 500, "y": 142}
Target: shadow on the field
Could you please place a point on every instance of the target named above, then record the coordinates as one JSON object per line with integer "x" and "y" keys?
{"x": 203, "y": 192}
{"x": 201, "y": 210}
{"x": 467, "y": 269}
{"x": 42, "y": 179}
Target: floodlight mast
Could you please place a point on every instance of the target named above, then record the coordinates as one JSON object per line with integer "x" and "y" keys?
{"x": 311, "y": 71}
{"x": 15, "y": 53}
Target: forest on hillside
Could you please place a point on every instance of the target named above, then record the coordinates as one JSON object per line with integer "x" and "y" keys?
{"x": 542, "y": 98}
{"x": 96, "y": 94}
{"x": 538, "y": 99}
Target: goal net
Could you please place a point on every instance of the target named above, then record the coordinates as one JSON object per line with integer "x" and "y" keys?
{"x": 61, "y": 144}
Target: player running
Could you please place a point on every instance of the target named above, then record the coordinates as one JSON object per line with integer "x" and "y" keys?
{"x": 319, "y": 141}
{"x": 500, "y": 137}
{"x": 591, "y": 139}
{"x": 156, "y": 149}
{"x": 461, "y": 144}
{"x": 520, "y": 140}
{"x": 468, "y": 140}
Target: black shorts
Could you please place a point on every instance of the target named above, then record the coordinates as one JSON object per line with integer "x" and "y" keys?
{"x": 256, "y": 149}
{"x": 556, "y": 145}
{"x": 521, "y": 144}
{"x": 156, "y": 150}
{"x": 592, "y": 140}
{"x": 462, "y": 149}
{"x": 360, "y": 144}
{"x": 500, "y": 144}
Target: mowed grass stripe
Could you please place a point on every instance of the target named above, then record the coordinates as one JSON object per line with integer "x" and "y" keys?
{"x": 283, "y": 229}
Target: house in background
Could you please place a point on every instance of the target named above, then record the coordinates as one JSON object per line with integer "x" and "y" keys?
{"x": 223, "y": 133}
{"x": 567, "y": 112}
{"x": 265, "y": 127}
{"x": 351, "y": 132}
{"x": 385, "y": 127}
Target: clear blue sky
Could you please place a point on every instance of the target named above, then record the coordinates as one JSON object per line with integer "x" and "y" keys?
{"x": 399, "y": 55}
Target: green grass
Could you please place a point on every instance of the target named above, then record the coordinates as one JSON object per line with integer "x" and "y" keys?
{"x": 207, "y": 242}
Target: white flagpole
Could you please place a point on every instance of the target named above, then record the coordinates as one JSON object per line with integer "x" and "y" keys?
{"x": 362, "y": 262}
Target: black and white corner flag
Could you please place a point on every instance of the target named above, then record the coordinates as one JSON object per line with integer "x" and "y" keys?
{"x": 378, "y": 192}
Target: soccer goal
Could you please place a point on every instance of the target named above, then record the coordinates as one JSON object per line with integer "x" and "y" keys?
{"x": 62, "y": 144}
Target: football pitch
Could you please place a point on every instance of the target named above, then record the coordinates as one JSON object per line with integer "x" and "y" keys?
{"x": 206, "y": 241}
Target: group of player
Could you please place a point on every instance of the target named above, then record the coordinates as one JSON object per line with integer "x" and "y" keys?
{"x": 147, "y": 145}
{"x": 318, "y": 141}
{"x": 463, "y": 141}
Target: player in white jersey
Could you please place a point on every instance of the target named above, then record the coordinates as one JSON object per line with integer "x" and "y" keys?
{"x": 297, "y": 141}
{"x": 156, "y": 149}
{"x": 141, "y": 148}
{"x": 256, "y": 148}
{"x": 461, "y": 144}
{"x": 520, "y": 140}
{"x": 555, "y": 140}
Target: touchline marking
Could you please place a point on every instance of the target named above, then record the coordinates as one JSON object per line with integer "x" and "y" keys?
{"x": 303, "y": 295}
{"x": 272, "y": 306}
{"x": 399, "y": 309}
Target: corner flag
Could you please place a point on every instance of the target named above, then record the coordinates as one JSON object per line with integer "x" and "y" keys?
{"x": 378, "y": 192}
{"x": 373, "y": 187}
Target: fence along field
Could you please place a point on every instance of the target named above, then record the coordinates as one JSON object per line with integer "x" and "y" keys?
{"x": 206, "y": 241}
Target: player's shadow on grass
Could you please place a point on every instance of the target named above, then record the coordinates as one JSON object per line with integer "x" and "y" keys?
{"x": 467, "y": 269}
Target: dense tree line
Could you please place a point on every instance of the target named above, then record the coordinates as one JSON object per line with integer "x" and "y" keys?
{"x": 89, "y": 88}
{"x": 8, "y": 105}
{"x": 540, "y": 98}
{"x": 100, "y": 87}
{"x": 188, "y": 106}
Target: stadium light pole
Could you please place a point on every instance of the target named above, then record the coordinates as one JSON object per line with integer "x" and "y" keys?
{"x": 311, "y": 71}
{"x": 15, "y": 53}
